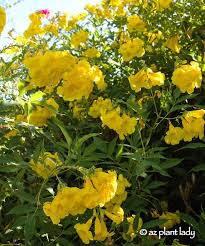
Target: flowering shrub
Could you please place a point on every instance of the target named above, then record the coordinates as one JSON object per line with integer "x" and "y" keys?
{"x": 102, "y": 125}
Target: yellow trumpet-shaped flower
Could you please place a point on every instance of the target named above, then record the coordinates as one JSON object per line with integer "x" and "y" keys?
{"x": 101, "y": 232}
{"x": 174, "y": 135}
{"x": 84, "y": 232}
{"x": 172, "y": 220}
{"x": 173, "y": 44}
{"x": 187, "y": 77}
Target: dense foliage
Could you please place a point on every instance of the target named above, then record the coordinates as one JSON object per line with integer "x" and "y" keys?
{"x": 102, "y": 126}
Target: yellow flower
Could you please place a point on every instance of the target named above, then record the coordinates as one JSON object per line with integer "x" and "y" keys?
{"x": 115, "y": 213}
{"x": 92, "y": 53}
{"x": 187, "y": 77}
{"x": 132, "y": 48}
{"x": 146, "y": 79}
{"x": 35, "y": 26}
{"x": 40, "y": 115}
{"x": 123, "y": 125}
{"x": 77, "y": 83}
{"x": 100, "y": 106}
{"x": 101, "y": 232}
{"x": 2, "y": 19}
{"x": 193, "y": 125}
{"x": 105, "y": 184}
{"x": 98, "y": 78}
{"x": 84, "y": 232}
{"x": 131, "y": 233}
{"x": 163, "y": 4}
{"x": 46, "y": 165}
{"x": 62, "y": 20}
{"x": 174, "y": 135}
{"x": 46, "y": 70}
{"x": 79, "y": 38}
{"x": 135, "y": 23}
{"x": 173, "y": 44}
{"x": 172, "y": 220}
{"x": 51, "y": 28}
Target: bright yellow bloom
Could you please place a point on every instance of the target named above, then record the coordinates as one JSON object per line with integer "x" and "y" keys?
{"x": 105, "y": 184}
{"x": 146, "y": 79}
{"x": 193, "y": 125}
{"x": 62, "y": 20}
{"x": 163, "y": 4}
{"x": 47, "y": 69}
{"x": 115, "y": 213}
{"x": 123, "y": 125}
{"x": 135, "y": 23}
{"x": 100, "y": 106}
{"x": 84, "y": 232}
{"x": 35, "y": 26}
{"x": 40, "y": 115}
{"x": 98, "y": 78}
{"x": 172, "y": 220}
{"x": 77, "y": 83}
{"x": 2, "y": 19}
{"x": 174, "y": 135}
{"x": 132, "y": 48}
{"x": 101, "y": 232}
{"x": 131, "y": 233}
{"x": 79, "y": 38}
{"x": 51, "y": 28}
{"x": 173, "y": 44}
{"x": 187, "y": 77}
{"x": 92, "y": 53}
{"x": 46, "y": 165}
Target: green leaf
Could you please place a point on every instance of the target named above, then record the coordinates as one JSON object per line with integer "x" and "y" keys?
{"x": 200, "y": 167}
{"x": 111, "y": 146}
{"x": 80, "y": 141}
{"x": 193, "y": 146}
{"x": 22, "y": 209}
{"x": 190, "y": 220}
{"x": 38, "y": 151}
{"x": 64, "y": 131}
{"x": 29, "y": 228}
{"x": 170, "y": 163}
{"x": 154, "y": 223}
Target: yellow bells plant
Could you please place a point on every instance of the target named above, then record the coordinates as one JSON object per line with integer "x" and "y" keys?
{"x": 187, "y": 77}
{"x": 2, "y": 19}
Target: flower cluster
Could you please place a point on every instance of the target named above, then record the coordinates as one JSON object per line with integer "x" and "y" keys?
{"x": 78, "y": 82}
{"x": 193, "y": 127}
{"x": 47, "y": 69}
{"x": 123, "y": 124}
{"x": 146, "y": 79}
{"x": 132, "y": 48}
{"x": 187, "y": 77}
{"x": 98, "y": 189}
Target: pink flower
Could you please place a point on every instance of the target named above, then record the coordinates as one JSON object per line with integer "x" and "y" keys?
{"x": 44, "y": 12}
